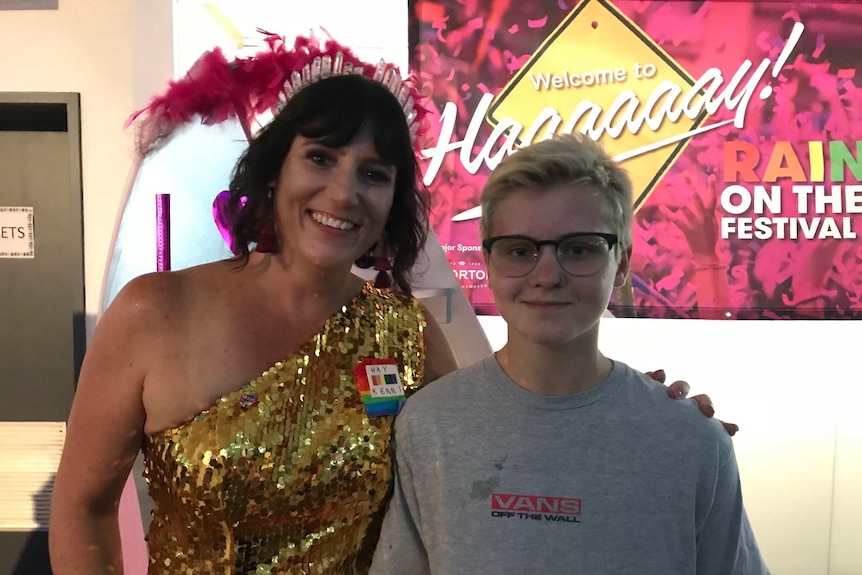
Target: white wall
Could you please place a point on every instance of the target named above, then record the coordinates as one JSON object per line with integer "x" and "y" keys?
{"x": 793, "y": 387}
{"x": 82, "y": 47}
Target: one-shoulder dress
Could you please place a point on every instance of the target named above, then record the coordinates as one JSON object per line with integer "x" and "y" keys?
{"x": 288, "y": 475}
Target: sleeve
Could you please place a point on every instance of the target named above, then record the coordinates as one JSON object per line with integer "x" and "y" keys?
{"x": 400, "y": 550}
{"x": 725, "y": 541}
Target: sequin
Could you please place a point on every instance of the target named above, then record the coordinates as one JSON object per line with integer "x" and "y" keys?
{"x": 294, "y": 483}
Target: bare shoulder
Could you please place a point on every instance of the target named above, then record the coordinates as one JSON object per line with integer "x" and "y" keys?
{"x": 164, "y": 296}
{"x": 139, "y": 315}
{"x": 439, "y": 357}
{"x": 151, "y": 314}
{"x": 146, "y": 294}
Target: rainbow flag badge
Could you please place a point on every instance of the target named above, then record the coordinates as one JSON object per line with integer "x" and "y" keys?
{"x": 379, "y": 385}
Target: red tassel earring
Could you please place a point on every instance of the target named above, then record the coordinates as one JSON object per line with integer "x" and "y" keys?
{"x": 267, "y": 241}
{"x": 383, "y": 267}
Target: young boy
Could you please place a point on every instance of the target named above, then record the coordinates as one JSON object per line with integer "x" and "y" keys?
{"x": 549, "y": 457}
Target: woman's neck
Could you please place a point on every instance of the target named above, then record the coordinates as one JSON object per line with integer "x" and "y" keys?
{"x": 303, "y": 288}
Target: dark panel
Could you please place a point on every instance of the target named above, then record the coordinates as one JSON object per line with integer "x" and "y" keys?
{"x": 29, "y": 4}
{"x": 33, "y": 117}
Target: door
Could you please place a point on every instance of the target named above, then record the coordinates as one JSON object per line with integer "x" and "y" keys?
{"x": 42, "y": 323}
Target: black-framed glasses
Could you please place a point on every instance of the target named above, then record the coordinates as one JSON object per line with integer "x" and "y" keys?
{"x": 579, "y": 254}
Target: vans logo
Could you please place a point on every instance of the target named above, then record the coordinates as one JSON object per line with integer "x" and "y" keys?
{"x": 536, "y": 507}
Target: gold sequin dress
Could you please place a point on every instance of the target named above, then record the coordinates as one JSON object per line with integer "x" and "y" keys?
{"x": 287, "y": 475}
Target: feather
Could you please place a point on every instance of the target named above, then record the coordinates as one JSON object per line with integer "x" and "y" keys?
{"x": 215, "y": 90}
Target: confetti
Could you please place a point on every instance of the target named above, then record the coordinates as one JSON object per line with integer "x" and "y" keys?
{"x": 821, "y": 44}
{"x": 476, "y": 24}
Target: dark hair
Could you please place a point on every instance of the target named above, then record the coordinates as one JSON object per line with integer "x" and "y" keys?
{"x": 333, "y": 111}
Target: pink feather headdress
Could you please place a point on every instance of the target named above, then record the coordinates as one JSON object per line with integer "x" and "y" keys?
{"x": 216, "y": 89}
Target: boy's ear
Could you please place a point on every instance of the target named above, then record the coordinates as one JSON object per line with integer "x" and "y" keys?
{"x": 623, "y": 267}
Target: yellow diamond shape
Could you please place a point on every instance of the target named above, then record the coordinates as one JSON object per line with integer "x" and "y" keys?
{"x": 594, "y": 56}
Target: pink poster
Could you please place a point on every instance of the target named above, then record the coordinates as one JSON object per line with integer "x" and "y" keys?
{"x": 738, "y": 122}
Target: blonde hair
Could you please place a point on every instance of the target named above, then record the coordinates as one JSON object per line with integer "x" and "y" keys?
{"x": 567, "y": 159}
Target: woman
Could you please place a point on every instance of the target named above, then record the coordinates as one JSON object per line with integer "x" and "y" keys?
{"x": 288, "y": 473}
{"x": 328, "y": 182}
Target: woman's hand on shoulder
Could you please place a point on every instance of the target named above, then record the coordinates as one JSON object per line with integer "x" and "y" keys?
{"x": 679, "y": 390}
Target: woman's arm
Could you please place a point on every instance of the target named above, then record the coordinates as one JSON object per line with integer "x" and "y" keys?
{"x": 440, "y": 360}
{"x": 104, "y": 435}
{"x": 439, "y": 357}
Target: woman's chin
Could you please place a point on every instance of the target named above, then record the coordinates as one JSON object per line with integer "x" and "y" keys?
{"x": 330, "y": 262}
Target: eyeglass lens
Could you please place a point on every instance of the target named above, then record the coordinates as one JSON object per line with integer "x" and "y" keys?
{"x": 579, "y": 255}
